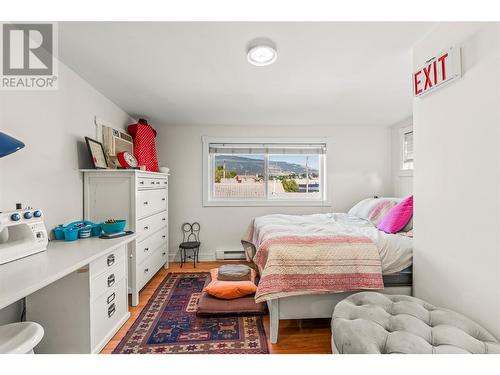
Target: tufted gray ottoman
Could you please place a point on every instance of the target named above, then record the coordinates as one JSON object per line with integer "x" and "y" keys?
{"x": 370, "y": 322}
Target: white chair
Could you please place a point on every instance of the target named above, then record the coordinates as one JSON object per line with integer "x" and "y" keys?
{"x": 20, "y": 338}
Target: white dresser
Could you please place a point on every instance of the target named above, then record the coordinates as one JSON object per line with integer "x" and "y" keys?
{"x": 142, "y": 199}
{"x": 82, "y": 311}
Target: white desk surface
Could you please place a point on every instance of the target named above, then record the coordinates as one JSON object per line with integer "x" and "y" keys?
{"x": 22, "y": 277}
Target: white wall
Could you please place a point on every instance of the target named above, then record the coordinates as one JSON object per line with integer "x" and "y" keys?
{"x": 402, "y": 181}
{"x": 45, "y": 173}
{"x": 457, "y": 177}
{"x": 361, "y": 164}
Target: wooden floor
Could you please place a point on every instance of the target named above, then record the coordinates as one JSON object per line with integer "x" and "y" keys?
{"x": 308, "y": 336}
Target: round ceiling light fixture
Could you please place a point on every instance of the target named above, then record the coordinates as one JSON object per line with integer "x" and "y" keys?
{"x": 261, "y": 52}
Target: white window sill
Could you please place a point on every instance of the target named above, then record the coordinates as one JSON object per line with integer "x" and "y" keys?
{"x": 265, "y": 203}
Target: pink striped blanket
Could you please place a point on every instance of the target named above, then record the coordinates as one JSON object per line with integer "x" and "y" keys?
{"x": 299, "y": 255}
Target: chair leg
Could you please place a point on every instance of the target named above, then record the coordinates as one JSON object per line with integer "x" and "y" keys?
{"x": 194, "y": 258}
{"x": 182, "y": 257}
{"x": 198, "y": 255}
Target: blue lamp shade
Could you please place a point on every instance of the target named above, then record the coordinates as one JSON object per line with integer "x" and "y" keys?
{"x": 8, "y": 145}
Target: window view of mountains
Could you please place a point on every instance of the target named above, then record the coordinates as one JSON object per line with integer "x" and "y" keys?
{"x": 255, "y": 166}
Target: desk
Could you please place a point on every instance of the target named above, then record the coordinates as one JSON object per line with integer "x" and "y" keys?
{"x": 65, "y": 287}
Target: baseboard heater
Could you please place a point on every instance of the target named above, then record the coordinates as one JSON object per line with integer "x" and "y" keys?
{"x": 230, "y": 254}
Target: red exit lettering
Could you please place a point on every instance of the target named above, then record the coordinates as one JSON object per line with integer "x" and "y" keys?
{"x": 432, "y": 74}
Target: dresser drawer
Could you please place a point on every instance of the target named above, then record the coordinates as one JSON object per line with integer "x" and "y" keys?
{"x": 107, "y": 261}
{"x": 108, "y": 279}
{"x": 107, "y": 310}
{"x": 149, "y": 225}
{"x": 162, "y": 256}
{"x": 147, "y": 268}
{"x": 150, "y": 202}
{"x": 151, "y": 183}
{"x": 146, "y": 247}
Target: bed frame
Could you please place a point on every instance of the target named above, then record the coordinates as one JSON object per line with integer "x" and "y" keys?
{"x": 309, "y": 306}
{"x": 313, "y": 306}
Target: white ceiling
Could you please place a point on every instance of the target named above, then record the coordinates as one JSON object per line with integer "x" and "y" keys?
{"x": 197, "y": 73}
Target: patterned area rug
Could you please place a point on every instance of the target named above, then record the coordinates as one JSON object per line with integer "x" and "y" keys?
{"x": 168, "y": 324}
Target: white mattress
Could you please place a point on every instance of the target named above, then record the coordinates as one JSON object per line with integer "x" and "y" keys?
{"x": 396, "y": 251}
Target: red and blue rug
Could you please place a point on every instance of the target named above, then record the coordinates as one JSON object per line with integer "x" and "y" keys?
{"x": 168, "y": 324}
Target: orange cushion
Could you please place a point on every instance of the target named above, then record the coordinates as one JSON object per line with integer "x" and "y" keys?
{"x": 229, "y": 289}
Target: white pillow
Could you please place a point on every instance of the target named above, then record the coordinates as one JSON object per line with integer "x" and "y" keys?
{"x": 363, "y": 208}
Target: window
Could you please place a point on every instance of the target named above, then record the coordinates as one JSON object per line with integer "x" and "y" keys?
{"x": 243, "y": 172}
{"x": 406, "y": 145}
{"x": 238, "y": 176}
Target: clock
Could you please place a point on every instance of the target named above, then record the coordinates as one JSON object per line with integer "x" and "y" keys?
{"x": 126, "y": 159}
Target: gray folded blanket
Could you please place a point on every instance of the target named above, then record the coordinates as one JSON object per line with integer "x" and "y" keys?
{"x": 236, "y": 272}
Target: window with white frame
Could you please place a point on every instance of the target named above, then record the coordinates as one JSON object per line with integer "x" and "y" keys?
{"x": 239, "y": 171}
{"x": 406, "y": 146}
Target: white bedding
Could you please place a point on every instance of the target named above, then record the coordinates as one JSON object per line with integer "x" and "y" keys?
{"x": 396, "y": 251}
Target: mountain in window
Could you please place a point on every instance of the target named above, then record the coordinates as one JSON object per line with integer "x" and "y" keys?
{"x": 255, "y": 165}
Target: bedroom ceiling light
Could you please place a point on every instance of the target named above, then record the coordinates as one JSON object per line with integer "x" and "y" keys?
{"x": 261, "y": 52}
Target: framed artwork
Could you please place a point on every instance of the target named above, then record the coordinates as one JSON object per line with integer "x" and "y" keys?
{"x": 96, "y": 152}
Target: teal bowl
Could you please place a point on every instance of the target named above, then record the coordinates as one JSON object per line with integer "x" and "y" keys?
{"x": 110, "y": 228}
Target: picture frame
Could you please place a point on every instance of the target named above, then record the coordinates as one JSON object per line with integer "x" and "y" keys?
{"x": 96, "y": 153}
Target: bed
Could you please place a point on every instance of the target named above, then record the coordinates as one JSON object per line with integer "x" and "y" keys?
{"x": 308, "y": 263}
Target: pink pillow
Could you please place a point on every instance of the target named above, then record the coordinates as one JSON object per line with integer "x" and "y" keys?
{"x": 380, "y": 210}
{"x": 397, "y": 217}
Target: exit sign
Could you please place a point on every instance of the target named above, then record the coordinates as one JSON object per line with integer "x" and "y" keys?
{"x": 437, "y": 71}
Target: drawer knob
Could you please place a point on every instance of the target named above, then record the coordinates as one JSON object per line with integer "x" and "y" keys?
{"x": 146, "y": 249}
{"x": 146, "y": 270}
{"x": 164, "y": 253}
{"x": 111, "y": 310}
{"x": 158, "y": 183}
{"x": 110, "y": 260}
{"x": 111, "y": 280}
{"x": 146, "y": 227}
{"x": 111, "y": 298}
{"x": 164, "y": 183}
{"x": 163, "y": 236}
{"x": 152, "y": 182}
{"x": 163, "y": 218}
{"x": 164, "y": 199}
{"x": 146, "y": 203}
{"x": 141, "y": 182}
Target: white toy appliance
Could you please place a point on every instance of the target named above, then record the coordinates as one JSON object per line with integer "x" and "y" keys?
{"x": 22, "y": 233}
{"x": 117, "y": 142}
